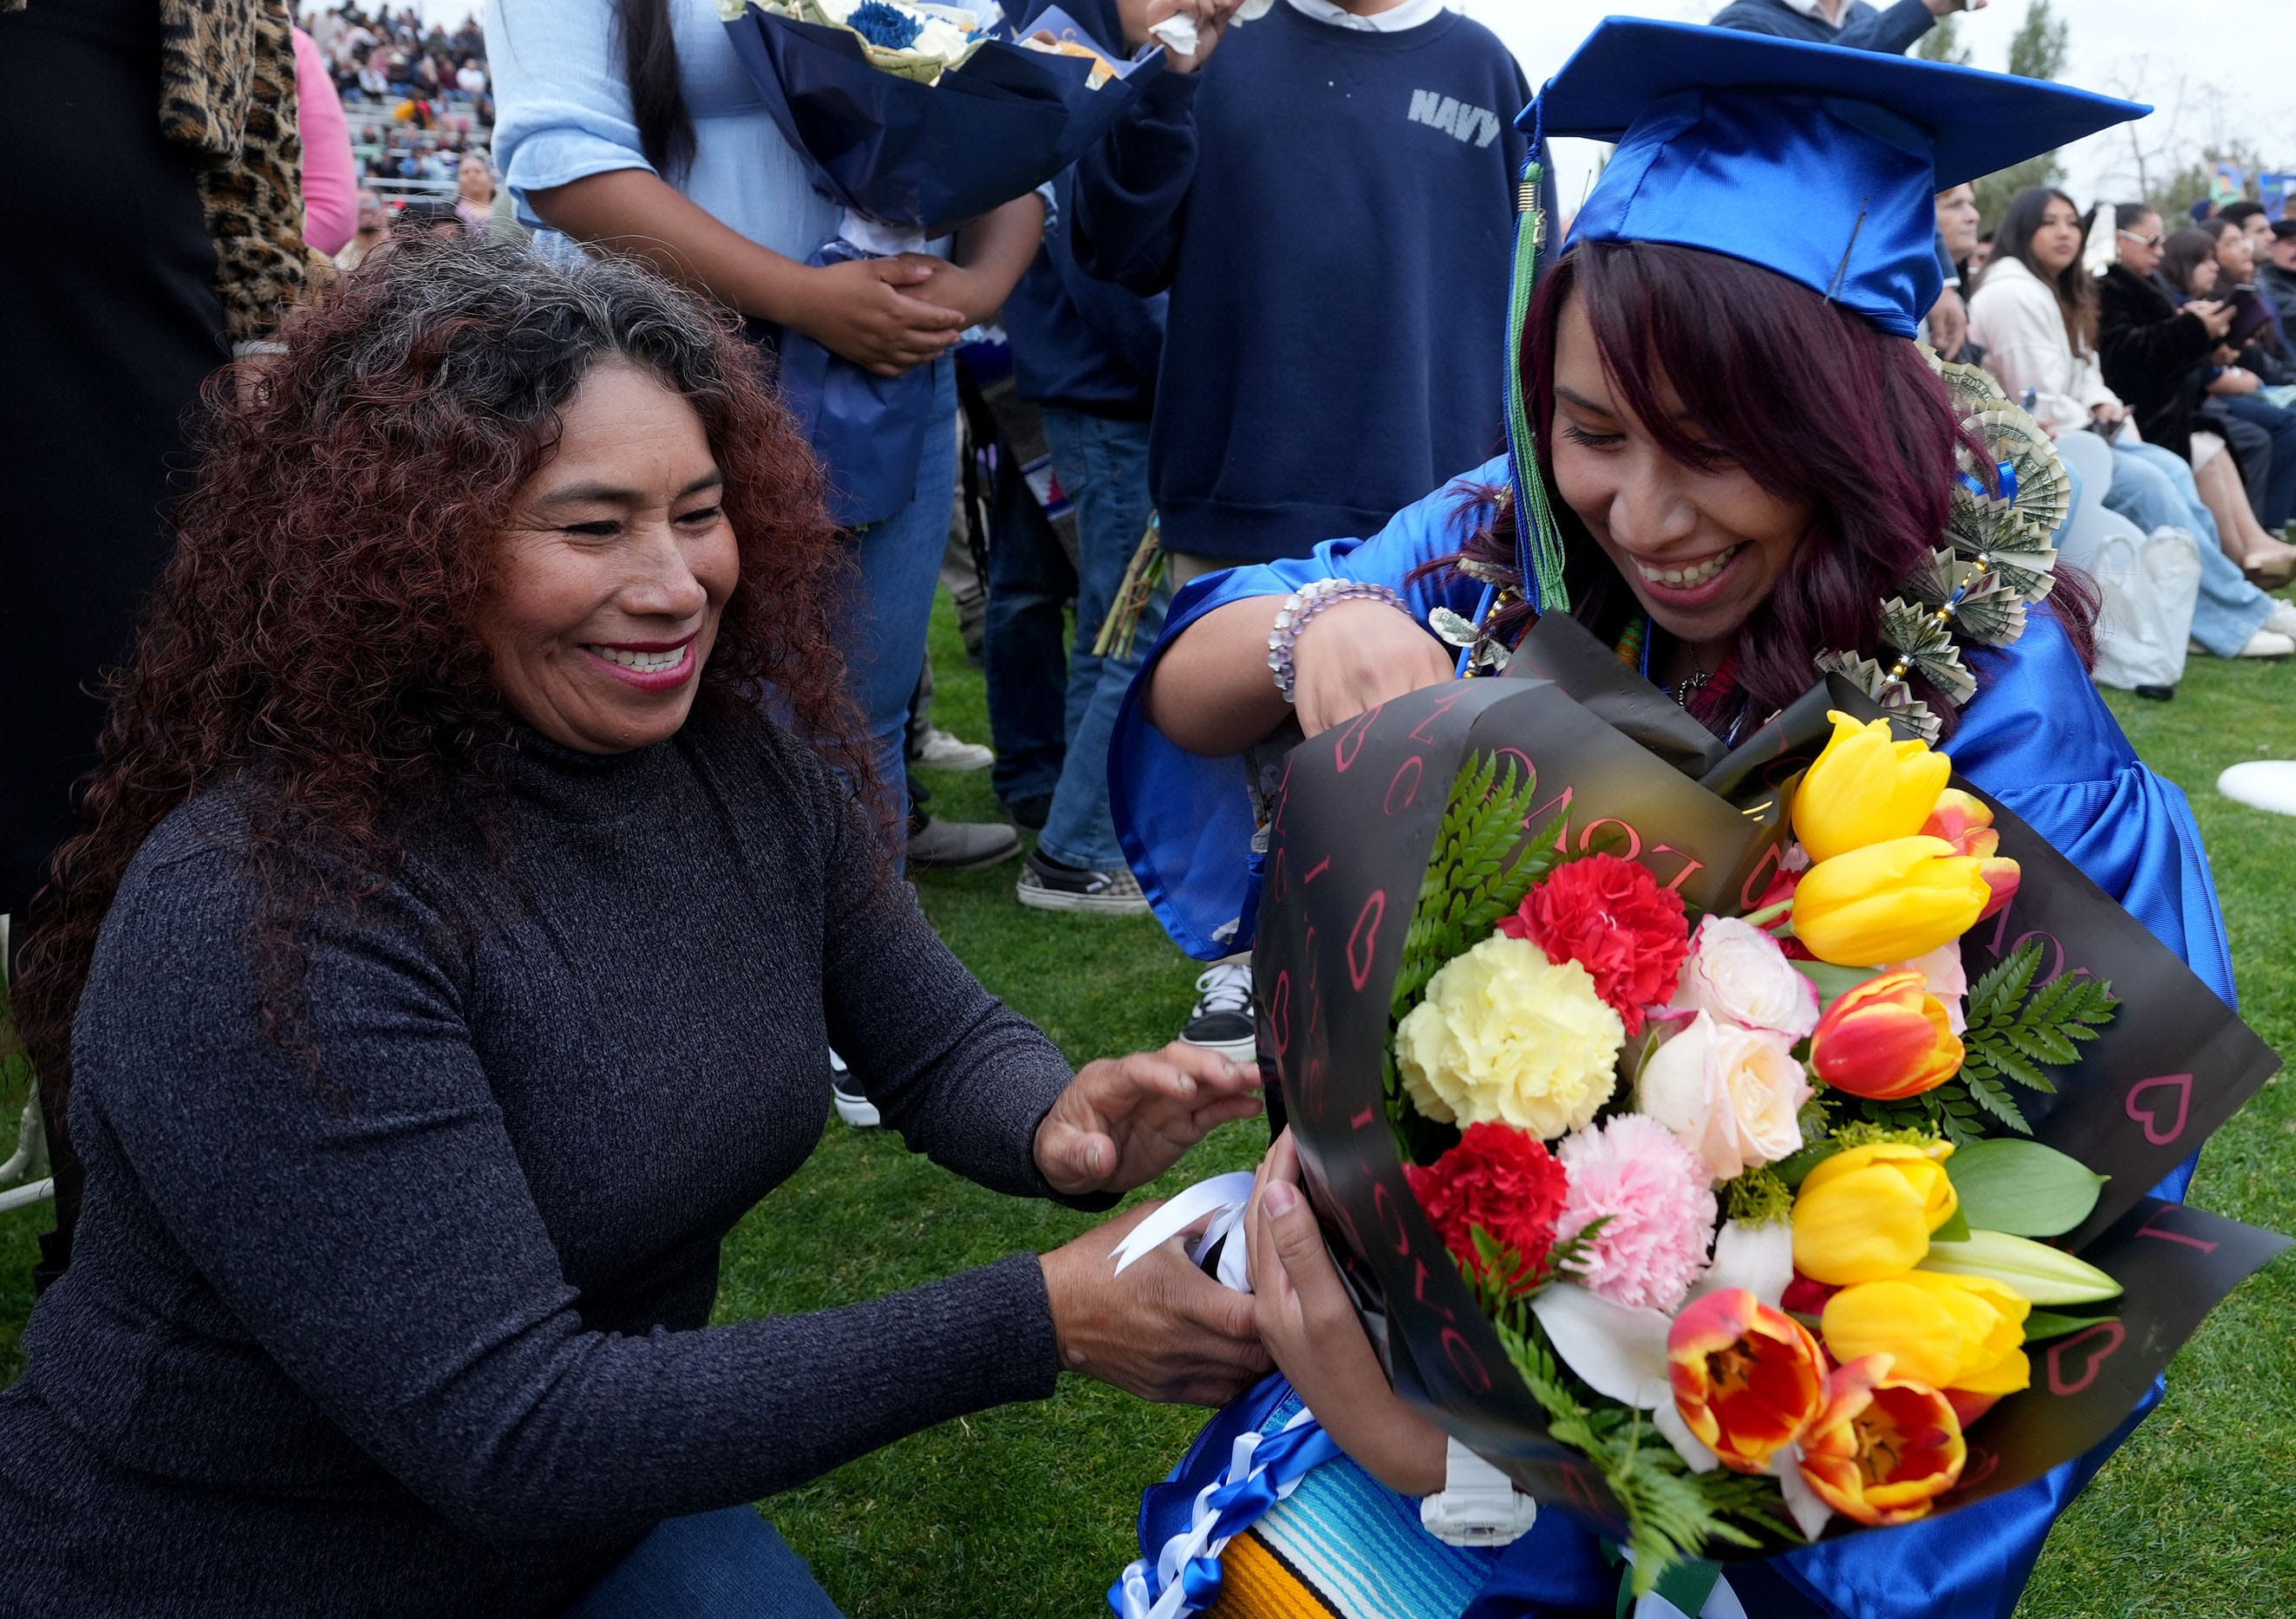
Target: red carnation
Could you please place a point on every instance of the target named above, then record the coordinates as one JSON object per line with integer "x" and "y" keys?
{"x": 1611, "y": 916}
{"x": 1505, "y": 1180}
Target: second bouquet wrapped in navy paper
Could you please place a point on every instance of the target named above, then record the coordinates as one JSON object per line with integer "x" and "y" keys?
{"x": 913, "y": 117}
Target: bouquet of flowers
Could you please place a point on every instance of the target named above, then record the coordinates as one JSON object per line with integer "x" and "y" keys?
{"x": 914, "y": 117}
{"x": 1736, "y": 1149}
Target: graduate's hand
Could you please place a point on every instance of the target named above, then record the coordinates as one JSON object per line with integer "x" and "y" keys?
{"x": 1124, "y": 1121}
{"x": 1355, "y": 656}
{"x": 1309, "y": 1325}
{"x": 1946, "y": 8}
{"x": 876, "y": 313}
{"x": 1162, "y": 1330}
{"x": 1211, "y": 18}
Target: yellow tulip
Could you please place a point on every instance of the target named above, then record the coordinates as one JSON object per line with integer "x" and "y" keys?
{"x": 1866, "y": 1214}
{"x": 1954, "y": 1332}
{"x": 1889, "y": 901}
{"x": 1866, "y": 788}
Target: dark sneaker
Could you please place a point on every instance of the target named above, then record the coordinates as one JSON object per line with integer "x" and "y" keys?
{"x": 1030, "y": 814}
{"x": 1222, "y": 1019}
{"x": 852, "y": 1106}
{"x": 1048, "y": 885}
{"x": 960, "y": 845}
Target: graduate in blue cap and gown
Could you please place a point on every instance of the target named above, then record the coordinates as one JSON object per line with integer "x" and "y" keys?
{"x": 1726, "y": 451}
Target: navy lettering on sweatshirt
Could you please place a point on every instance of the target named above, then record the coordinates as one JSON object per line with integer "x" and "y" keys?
{"x": 1332, "y": 213}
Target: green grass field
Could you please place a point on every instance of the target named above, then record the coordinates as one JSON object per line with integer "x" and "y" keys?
{"x": 1027, "y": 1512}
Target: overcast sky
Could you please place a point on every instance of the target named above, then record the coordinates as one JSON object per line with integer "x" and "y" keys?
{"x": 2214, "y": 67}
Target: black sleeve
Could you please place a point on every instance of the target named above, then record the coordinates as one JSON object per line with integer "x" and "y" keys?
{"x": 376, "y": 1237}
{"x": 1132, "y": 189}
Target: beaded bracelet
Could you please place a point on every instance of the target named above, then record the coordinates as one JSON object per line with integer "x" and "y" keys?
{"x": 1305, "y": 603}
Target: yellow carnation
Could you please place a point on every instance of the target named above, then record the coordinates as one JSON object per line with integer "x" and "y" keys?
{"x": 1506, "y": 1034}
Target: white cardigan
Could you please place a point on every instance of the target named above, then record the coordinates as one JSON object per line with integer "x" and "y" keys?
{"x": 2015, "y": 319}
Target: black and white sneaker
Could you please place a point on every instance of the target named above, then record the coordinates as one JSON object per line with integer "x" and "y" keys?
{"x": 1049, "y": 885}
{"x": 1222, "y": 1019}
{"x": 852, "y": 1106}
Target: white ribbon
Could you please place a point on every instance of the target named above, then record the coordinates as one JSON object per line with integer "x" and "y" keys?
{"x": 1224, "y": 1198}
{"x": 1179, "y": 33}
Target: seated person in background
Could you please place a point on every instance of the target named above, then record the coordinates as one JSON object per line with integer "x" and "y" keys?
{"x": 2207, "y": 262}
{"x": 474, "y": 879}
{"x": 1958, "y": 220}
{"x": 2035, "y": 310}
{"x": 2158, "y": 357}
{"x": 2275, "y": 273}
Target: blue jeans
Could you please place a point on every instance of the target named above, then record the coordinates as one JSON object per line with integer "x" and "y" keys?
{"x": 898, "y": 565}
{"x": 1022, "y": 653}
{"x": 726, "y": 1565}
{"x": 2275, "y": 501}
{"x": 2154, "y": 488}
{"x": 1103, "y": 465}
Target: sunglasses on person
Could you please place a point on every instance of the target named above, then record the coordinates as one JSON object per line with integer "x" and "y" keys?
{"x": 2153, "y": 241}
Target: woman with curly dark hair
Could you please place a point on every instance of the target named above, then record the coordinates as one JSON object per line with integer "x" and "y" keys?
{"x": 473, "y": 881}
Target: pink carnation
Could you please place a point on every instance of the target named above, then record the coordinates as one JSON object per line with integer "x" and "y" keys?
{"x": 1660, "y": 1211}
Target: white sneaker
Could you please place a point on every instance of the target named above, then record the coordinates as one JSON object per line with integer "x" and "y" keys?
{"x": 944, "y": 751}
{"x": 2268, "y": 644}
{"x": 2281, "y": 621}
{"x": 1222, "y": 1019}
{"x": 855, "y": 1109}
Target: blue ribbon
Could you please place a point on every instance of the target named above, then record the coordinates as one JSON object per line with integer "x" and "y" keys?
{"x": 2007, "y": 474}
{"x": 1278, "y": 1461}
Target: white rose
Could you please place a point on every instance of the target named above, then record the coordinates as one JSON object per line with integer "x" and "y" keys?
{"x": 1739, "y": 974}
{"x": 1732, "y": 1096}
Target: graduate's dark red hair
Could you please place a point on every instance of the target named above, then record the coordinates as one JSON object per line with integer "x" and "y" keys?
{"x": 1819, "y": 407}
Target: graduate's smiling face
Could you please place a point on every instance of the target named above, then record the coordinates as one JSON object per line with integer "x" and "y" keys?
{"x": 1702, "y": 546}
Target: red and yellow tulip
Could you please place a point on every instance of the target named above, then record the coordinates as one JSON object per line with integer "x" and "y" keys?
{"x": 1886, "y": 1039}
{"x": 1966, "y": 822}
{"x": 1747, "y": 1378}
{"x": 1884, "y": 1447}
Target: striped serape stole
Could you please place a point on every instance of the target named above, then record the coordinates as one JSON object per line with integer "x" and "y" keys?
{"x": 1343, "y": 1545}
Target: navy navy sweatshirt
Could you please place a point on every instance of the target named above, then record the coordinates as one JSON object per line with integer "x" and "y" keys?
{"x": 1863, "y": 27}
{"x": 1078, "y": 342}
{"x": 1333, "y": 213}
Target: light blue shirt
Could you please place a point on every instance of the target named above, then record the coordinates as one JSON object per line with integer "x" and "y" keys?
{"x": 562, "y": 113}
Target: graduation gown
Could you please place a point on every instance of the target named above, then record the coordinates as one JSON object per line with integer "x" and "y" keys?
{"x": 2037, "y": 737}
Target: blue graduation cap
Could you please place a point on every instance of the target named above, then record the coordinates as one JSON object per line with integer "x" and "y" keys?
{"x": 1814, "y": 160}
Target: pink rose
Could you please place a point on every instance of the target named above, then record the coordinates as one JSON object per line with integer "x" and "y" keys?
{"x": 1948, "y": 980}
{"x": 1739, "y": 974}
{"x": 1732, "y": 1096}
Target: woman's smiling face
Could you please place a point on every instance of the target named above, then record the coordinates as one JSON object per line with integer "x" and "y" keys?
{"x": 617, "y": 567}
{"x": 1701, "y": 547}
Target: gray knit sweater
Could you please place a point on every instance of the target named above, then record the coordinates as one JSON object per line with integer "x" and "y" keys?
{"x": 438, "y": 1344}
